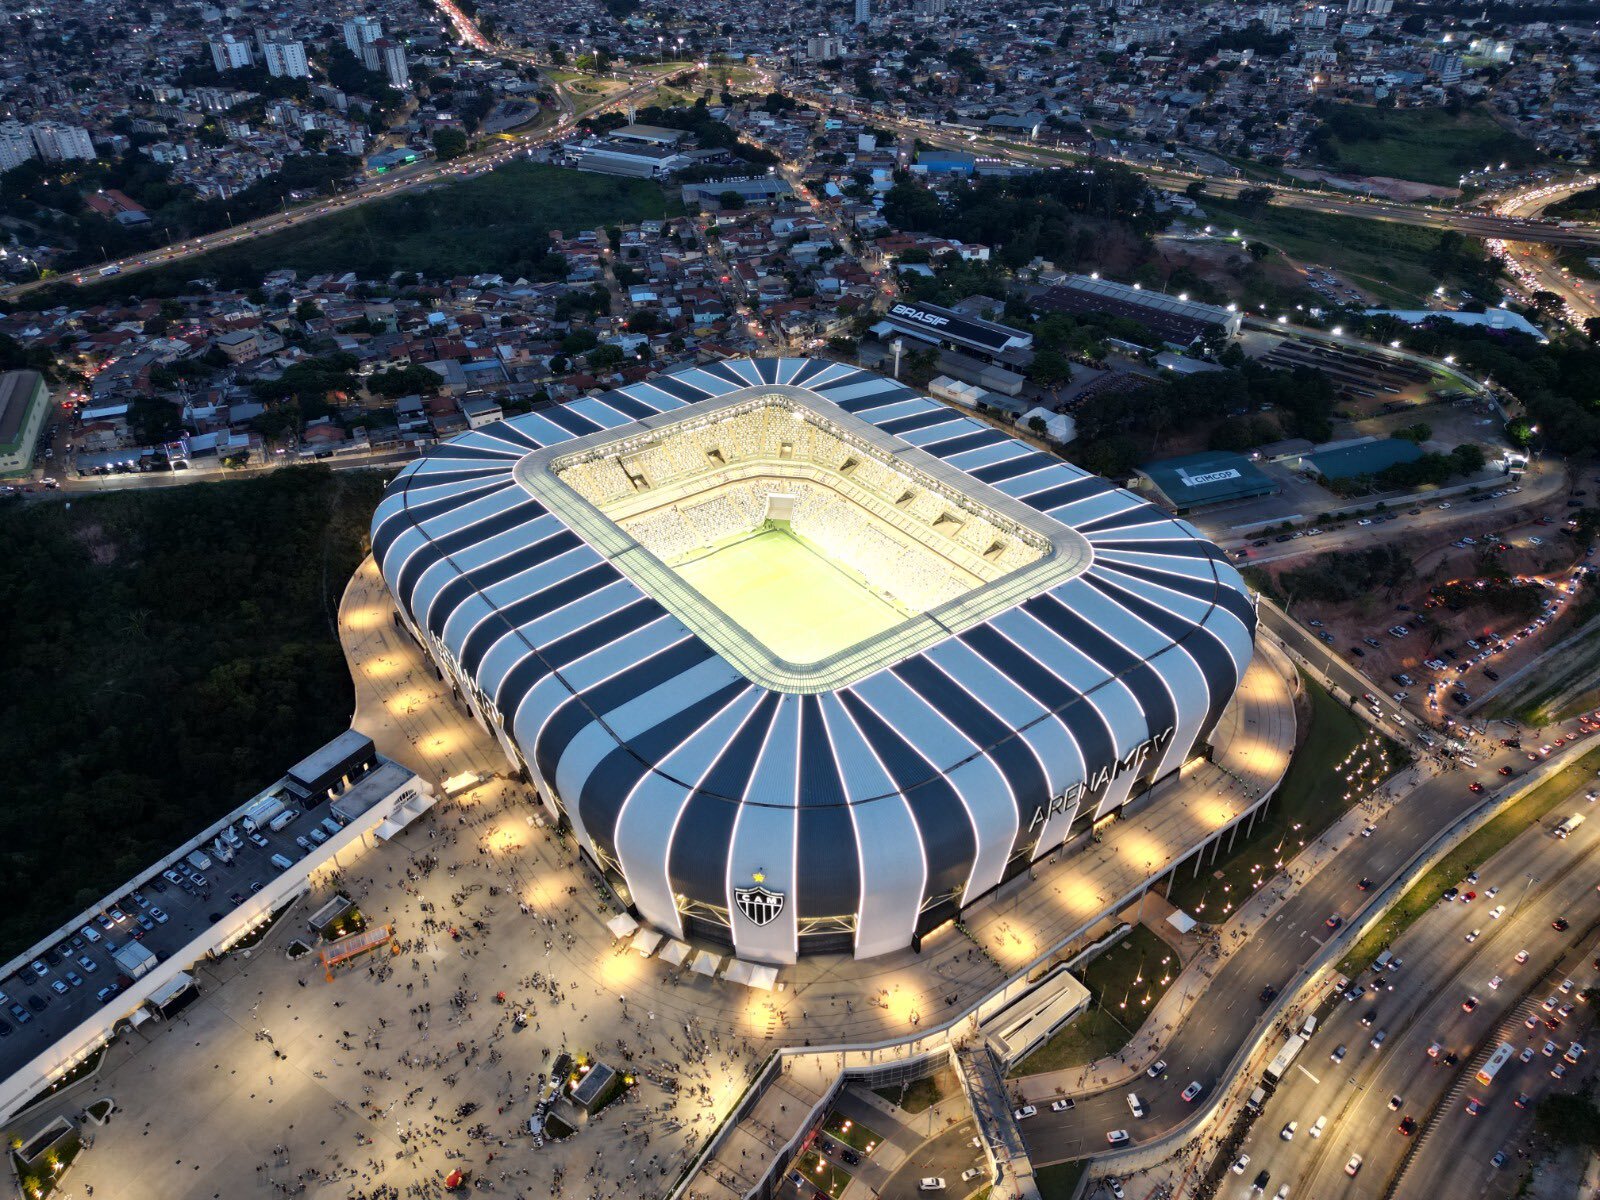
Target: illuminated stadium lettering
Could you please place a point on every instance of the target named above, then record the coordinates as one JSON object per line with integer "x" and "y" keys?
{"x": 1134, "y": 760}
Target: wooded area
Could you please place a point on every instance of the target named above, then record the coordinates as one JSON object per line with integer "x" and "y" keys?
{"x": 172, "y": 651}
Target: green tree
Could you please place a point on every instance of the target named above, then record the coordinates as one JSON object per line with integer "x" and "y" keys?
{"x": 1569, "y": 1120}
{"x": 409, "y": 380}
{"x": 605, "y": 357}
{"x": 1049, "y": 369}
{"x": 448, "y": 144}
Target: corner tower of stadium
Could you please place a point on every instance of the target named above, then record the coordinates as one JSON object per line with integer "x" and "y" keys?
{"x": 807, "y": 661}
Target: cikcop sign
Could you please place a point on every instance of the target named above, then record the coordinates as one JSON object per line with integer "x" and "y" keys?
{"x": 1208, "y": 477}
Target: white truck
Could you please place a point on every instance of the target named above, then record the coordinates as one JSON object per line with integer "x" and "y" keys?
{"x": 222, "y": 850}
{"x": 259, "y": 813}
{"x": 199, "y": 860}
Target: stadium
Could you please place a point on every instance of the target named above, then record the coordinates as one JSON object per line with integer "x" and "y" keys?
{"x": 806, "y": 661}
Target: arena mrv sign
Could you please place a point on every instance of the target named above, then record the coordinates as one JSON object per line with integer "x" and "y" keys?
{"x": 1134, "y": 760}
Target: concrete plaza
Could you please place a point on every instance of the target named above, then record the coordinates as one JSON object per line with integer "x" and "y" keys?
{"x": 400, "y": 1069}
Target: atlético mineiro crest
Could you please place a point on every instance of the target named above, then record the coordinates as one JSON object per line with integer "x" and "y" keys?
{"x": 760, "y": 905}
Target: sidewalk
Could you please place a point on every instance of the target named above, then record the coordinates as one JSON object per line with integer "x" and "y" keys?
{"x": 1192, "y": 982}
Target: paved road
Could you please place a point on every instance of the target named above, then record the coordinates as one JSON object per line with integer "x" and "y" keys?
{"x": 1472, "y": 223}
{"x": 498, "y": 152}
{"x": 1455, "y": 1159}
{"x": 1202, "y": 1048}
{"x": 1441, "y": 970}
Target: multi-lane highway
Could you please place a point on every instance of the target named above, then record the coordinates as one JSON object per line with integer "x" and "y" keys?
{"x": 1533, "y": 266}
{"x": 1224, "y": 1020}
{"x": 1471, "y": 223}
{"x": 499, "y": 151}
{"x": 1420, "y": 1010}
{"x": 1474, "y": 223}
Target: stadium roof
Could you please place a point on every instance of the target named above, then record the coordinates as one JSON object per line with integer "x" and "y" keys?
{"x": 1210, "y": 477}
{"x": 874, "y": 803}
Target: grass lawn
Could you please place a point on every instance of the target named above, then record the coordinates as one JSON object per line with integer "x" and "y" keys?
{"x": 173, "y": 651}
{"x": 790, "y": 597}
{"x": 852, "y": 1133}
{"x": 1580, "y": 206}
{"x": 665, "y": 68}
{"x": 1338, "y": 762}
{"x": 1060, "y": 1182}
{"x": 499, "y": 222}
{"x": 1428, "y": 145}
{"x": 823, "y": 1173}
{"x": 1564, "y": 688}
{"x": 1472, "y": 853}
{"x": 1576, "y": 259}
{"x": 1127, "y": 981}
{"x": 922, "y": 1094}
{"x": 1385, "y": 257}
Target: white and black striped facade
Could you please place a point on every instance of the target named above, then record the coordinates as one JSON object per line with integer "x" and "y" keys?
{"x": 778, "y": 823}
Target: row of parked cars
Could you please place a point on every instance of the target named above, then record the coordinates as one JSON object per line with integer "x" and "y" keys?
{"x": 67, "y": 965}
{"x": 72, "y": 963}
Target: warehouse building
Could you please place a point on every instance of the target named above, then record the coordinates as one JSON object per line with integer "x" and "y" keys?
{"x": 1178, "y": 322}
{"x": 1206, "y": 479}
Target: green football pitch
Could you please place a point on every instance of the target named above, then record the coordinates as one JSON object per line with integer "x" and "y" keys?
{"x": 797, "y": 603}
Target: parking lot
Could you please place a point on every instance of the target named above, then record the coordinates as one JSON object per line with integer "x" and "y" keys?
{"x": 61, "y": 981}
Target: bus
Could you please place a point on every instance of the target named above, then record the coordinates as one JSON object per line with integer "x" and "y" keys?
{"x": 1286, "y": 1056}
{"x": 1498, "y": 1059}
{"x": 1567, "y": 826}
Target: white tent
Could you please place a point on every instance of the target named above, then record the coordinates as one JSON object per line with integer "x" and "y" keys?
{"x": 1181, "y": 921}
{"x": 706, "y": 963}
{"x": 739, "y": 971}
{"x": 765, "y": 978}
{"x": 622, "y": 925}
{"x": 646, "y": 941}
{"x": 675, "y": 951}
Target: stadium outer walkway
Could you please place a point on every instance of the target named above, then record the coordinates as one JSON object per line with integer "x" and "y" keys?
{"x": 903, "y": 1003}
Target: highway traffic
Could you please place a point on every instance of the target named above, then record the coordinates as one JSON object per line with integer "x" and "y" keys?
{"x": 1471, "y": 974}
{"x": 1202, "y": 1047}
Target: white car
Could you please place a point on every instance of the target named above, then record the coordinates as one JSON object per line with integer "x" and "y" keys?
{"x": 1117, "y": 1137}
{"x": 1522, "y": 956}
{"x": 1354, "y": 1165}
{"x": 1026, "y": 1111}
{"x": 1316, "y": 1129}
{"x": 1240, "y": 1164}
{"x": 1494, "y": 984}
{"x": 970, "y": 1174}
{"x": 931, "y": 1183}
{"x": 1156, "y": 1068}
{"x": 1062, "y": 1105}
{"x": 1527, "y": 1055}
{"x": 1498, "y": 911}
{"x": 1288, "y": 1131}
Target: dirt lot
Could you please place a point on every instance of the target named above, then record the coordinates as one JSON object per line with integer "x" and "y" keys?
{"x": 1438, "y": 562}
